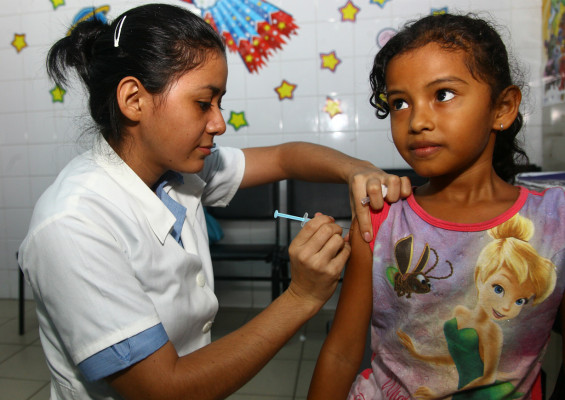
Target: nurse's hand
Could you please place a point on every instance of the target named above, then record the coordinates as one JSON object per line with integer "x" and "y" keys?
{"x": 366, "y": 184}
{"x": 317, "y": 256}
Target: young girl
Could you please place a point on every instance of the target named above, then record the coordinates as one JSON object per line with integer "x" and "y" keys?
{"x": 117, "y": 251}
{"x": 462, "y": 282}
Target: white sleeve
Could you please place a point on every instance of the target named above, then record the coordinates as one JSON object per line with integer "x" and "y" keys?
{"x": 223, "y": 173}
{"x": 83, "y": 277}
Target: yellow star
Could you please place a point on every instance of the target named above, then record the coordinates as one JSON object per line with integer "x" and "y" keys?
{"x": 285, "y": 90}
{"x": 237, "y": 120}
{"x": 57, "y": 94}
{"x": 349, "y": 11}
{"x": 19, "y": 42}
{"x": 332, "y": 107}
{"x": 378, "y": 2}
{"x": 330, "y": 61}
{"x": 57, "y": 3}
{"x": 439, "y": 11}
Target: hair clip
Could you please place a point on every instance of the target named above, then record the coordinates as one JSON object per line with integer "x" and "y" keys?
{"x": 118, "y": 30}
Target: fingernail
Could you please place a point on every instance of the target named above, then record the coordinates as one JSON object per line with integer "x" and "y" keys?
{"x": 367, "y": 236}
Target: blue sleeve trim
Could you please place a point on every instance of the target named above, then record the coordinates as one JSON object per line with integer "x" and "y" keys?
{"x": 124, "y": 354}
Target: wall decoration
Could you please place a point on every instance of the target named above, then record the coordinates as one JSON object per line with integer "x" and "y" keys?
{"x": 58, "y": 94}
{"x": 237, "y": 120}
{"x": 384, "y": 35}
{"x": 330, "y": 61}
{"x": 254, "y": 29}
{"x": 285, "y": 90}
{"x": 439, "y": 11}
{"x": 89, "y": 13}
{"x": 349, "y": 11}
{"x": 553, "y": 28}
{"x": 57, "y": 3}
{"x": 379, "y": 2}
{"x": 19, "y": 42}
{"x": 332, "y": 107}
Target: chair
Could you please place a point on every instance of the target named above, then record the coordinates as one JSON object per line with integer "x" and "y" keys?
{"x": 251, "y": 204}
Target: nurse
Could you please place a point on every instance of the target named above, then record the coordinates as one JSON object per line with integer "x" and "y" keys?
{"x": 117, "y": 250}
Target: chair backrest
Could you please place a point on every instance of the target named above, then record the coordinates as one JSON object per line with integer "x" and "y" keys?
{"x": 252, "y": 204}
{"x": 312, "y": 197}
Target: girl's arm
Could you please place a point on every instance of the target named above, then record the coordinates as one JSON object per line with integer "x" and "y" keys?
{"x": 311, "y": 162}
{"x": 342, "y": 352}
{"x": 318, "y": 254}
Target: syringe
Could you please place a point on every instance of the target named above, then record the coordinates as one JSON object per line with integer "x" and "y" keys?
{"x": 303, "y": 220}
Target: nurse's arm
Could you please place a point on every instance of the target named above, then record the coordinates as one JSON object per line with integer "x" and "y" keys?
{"x": 315, "y": 163}
{"x": 318, "y": 254}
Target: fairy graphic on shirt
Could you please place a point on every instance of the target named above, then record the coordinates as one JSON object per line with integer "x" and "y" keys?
{"x": 509, "y": 276}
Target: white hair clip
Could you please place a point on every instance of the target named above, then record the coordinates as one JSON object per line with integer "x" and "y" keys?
{"x": 118, "y": 31}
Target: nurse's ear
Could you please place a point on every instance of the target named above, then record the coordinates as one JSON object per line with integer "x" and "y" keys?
{"x": 132, "y": 98}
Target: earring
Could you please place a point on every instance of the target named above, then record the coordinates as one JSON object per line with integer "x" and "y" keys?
{"x": 501, "y": 127}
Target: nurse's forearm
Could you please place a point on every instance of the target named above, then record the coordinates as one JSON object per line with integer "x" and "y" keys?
{"x": 221, "y": 368}
{"x": 301, "y": 160}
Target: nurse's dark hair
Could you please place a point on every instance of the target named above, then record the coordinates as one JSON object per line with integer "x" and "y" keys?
{"x": 158, "y": 43}
{"x": 486, "y": 58}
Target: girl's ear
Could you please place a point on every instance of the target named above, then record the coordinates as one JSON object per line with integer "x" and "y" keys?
{"x": 507, "y": 107}
{"x": 131, "y": 96}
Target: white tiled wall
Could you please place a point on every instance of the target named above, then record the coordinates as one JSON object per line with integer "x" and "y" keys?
{"x": 37, "y": 136}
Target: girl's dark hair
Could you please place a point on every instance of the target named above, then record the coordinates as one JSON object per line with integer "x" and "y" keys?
{"x": 157, "y": 44}
{"x": 487, "y": 60}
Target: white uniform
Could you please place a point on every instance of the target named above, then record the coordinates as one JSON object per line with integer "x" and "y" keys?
{"x": 103, "y": 266}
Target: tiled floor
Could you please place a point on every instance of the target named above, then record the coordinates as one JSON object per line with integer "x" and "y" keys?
{"x": 24, "y": 374}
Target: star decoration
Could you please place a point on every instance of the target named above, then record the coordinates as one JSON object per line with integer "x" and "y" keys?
{"x": 237, "y": 120}
{"x": 439, "y": 11}
{"x": 19, "y": 42}
{"x": 378, "y": 2}
{"x": 330, "y": 61}
{"x": 57, "y": 3}
{"x": 285, "y": 90}
{"x": 57, "y": 94}
{"x": 332, "y": 107}
{"x": 349, "y": 11}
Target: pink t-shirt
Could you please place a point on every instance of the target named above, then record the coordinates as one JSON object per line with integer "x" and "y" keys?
{"x": 462, "y": 322}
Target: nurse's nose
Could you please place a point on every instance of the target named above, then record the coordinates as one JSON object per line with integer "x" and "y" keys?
{"x": 216, "y": 125}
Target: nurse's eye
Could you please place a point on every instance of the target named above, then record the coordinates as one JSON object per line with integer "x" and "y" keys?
{"x": 399, "y": 104}
{"x": 205, "y": 105}
{"x": 445, "y": 95}
{"x": 499, "y": 290}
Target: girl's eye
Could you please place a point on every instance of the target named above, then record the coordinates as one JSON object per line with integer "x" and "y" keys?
{"x": 498, "y": 289}
{"x": 399, "y": 104}
{"x": 521, "y": 302}
{"x": 445, "y": 95}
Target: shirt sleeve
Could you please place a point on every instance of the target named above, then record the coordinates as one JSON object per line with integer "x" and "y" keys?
{"x": 123, "y": 354}
{"x": 223, "y": 173}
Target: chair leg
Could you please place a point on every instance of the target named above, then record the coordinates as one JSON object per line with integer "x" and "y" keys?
{"x": 21, "y": 302}
{"x": 275, "y": 279}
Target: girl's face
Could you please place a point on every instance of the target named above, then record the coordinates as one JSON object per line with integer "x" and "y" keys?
{"x": 177, "y": 130}
{"x": 441, "y": 116}
{"x": 501, "y": 296}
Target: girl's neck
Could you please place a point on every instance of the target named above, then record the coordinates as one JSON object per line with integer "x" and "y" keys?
{"x": 466, "y": 199}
